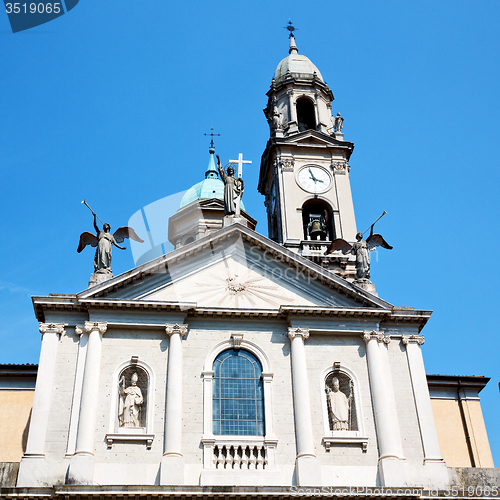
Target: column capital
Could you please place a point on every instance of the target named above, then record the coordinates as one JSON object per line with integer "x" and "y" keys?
{"x": 180, "y": 329}
{"x": 412, "y": 339}
{"x": 376, "y": 335}
{"x": 90, "y": 326}
{"x": 52, "y": 328}
{"x": 298, "y": 332}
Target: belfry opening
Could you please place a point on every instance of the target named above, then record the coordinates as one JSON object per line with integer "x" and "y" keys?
{"x": 317, "y": 219}
{"x": 305, "y": 114}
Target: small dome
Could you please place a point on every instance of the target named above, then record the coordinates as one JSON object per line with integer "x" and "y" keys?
{"x": 298, "y": 65}
{"x": 210, "y": 187}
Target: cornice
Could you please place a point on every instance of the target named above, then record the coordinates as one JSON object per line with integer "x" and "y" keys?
{"x": 185, "y": 492}
{"x": 190, "y": 309}
{"x": 477, "y": 382}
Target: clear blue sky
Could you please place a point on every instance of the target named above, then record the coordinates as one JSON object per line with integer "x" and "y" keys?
{"x": 110, "y": 102}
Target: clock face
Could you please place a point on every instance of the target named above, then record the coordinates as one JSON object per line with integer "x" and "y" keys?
{"x": 314, "y": 179}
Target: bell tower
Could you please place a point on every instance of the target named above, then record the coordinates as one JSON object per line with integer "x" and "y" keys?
{"x": 304, "y": 171}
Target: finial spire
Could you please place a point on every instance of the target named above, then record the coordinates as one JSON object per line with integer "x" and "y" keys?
{"x": 212, "y": 135}
{"x": 293, "y": 47}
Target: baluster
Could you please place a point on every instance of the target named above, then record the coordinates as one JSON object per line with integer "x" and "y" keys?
{"x": 260, "y": 459}
{"x": 233, "y": 456}
{"x": 237, "y": 457}
{"x": 266, "y": 457}
{"x": 244, "y": 458}
{"x": 251, "y": 461}
{"x": 218, "y": 457}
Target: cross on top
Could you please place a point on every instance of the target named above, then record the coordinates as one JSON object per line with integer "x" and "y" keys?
{"x": 212, "y": 135}
{"x": 240, "y": 162}
{"x": 291, "y": 28}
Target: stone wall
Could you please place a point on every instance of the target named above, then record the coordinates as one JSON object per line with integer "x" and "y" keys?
{"x": 8, "y": 474}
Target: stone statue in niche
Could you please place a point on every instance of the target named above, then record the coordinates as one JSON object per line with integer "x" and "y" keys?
{"x": 233, "y": 190}
{"x": 338, "y": 406}
{"x": 130, "y": 401}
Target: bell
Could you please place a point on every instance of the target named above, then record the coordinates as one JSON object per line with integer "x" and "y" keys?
{"x": 317, "y": 230}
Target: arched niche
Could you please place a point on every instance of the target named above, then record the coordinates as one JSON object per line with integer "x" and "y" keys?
{"x": 125, "y": 427}
{"x": 317, "y": 220}
{"x": 348, "y": 386}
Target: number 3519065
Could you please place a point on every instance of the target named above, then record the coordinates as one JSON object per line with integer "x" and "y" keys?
{"x": 33, "y": 8}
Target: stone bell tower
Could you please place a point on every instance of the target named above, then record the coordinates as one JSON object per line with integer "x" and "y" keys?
{"x": 304, "y": 171}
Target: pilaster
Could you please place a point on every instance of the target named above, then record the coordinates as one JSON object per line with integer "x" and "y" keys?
{"x": 433, "y": 461}
{"x": 391, "y": 465}
{"x": 307, "y": 466}
{"x": 172, "y": 463}
{"x": 32, "y": 470}
{"x": 81, "y": 468}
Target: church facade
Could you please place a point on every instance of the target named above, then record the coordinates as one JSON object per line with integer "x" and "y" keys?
{"x": 239, "y": 359}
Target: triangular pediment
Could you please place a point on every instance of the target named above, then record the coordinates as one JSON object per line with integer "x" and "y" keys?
{"x": 235, "y": 268}
{"x": 312, "y": 137}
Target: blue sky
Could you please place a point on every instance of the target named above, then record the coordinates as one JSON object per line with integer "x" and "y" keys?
{"x": 110, "y": 103}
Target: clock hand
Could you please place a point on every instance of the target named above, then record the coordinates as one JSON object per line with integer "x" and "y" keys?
{"x": 312, "y": 176}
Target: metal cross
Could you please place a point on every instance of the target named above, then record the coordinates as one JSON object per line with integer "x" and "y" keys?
{"x": 291, "y": 28}
{"x": 212, "y": 135}
{"x": 240, "y": 162}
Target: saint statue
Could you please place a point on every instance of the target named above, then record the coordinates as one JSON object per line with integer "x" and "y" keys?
{"x": 103, "y": 241}
{"x": 361, "y": 249}
{"x": 339, "y": 123}
{"x": 233, "y": 190}
{"x": 338, "y": 406}
{"x": 130, "y": 401}
{"x": 277, "y": 119}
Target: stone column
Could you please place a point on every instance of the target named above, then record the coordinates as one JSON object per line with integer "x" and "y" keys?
{"x": 307, "y": 467}
{"x": 81, "y": 468}
{"x": 319, "y": 124}
{"x": 293, "y": 111}
{"x": 434, "y": 463}
{"x": 172, "y": 463}
{"x": 31, "y": 468}
{"x": 391, "y": 466}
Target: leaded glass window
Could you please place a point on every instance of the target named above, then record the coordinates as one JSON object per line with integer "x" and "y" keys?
{"x": 238, "y": 399}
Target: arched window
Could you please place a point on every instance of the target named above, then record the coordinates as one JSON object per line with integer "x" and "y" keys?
{"x": 305, "y": 114}
{"x": 238, "y": 399}
{"x": 317, "y": 220}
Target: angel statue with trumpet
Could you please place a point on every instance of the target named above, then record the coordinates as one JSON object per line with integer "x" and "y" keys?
{"x": 103, "y": 240}
{"x": 361, "y": 249}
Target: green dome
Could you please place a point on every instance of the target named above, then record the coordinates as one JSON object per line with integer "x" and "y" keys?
{"x": 210, "y": 187}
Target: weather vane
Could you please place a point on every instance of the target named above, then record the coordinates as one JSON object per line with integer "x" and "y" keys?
{"x": 291, "y": 28}
{"x": 212, "y": 135}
